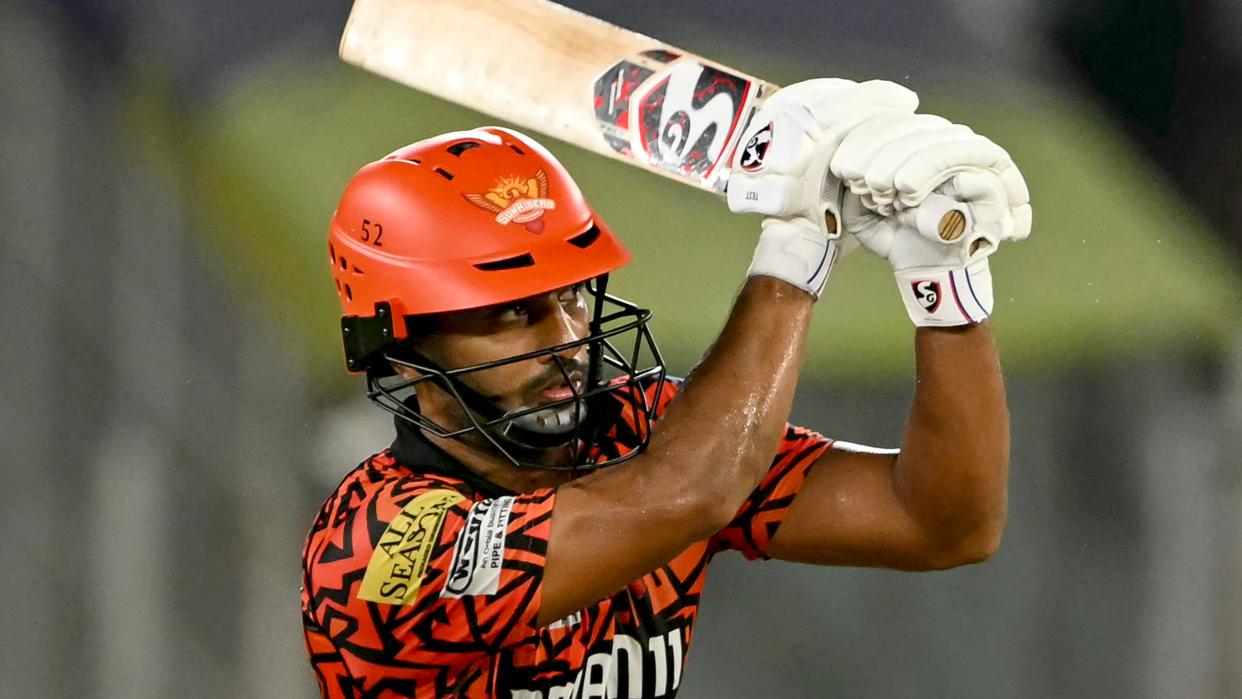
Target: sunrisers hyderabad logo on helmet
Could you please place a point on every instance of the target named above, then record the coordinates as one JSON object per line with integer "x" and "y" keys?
{"x": 517, "y": 200}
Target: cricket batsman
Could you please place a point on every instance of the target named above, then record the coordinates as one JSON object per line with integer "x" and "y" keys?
{"x": 542, "y": 525}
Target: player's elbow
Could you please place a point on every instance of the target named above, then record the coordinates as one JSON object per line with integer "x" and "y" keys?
{"x": 708, "y": 509}
{"x": 698, "y": 513}
{"x": 978, "y": 547}
{"x": 968, "y": 546}
{"x": 714, "y": 515}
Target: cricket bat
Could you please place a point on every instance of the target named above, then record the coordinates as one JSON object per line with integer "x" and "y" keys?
{"x": 555, "y": 70}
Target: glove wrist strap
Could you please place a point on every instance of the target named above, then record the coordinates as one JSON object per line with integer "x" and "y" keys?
{"x": 795, "y": 254}
{"x": 947, "y": 297}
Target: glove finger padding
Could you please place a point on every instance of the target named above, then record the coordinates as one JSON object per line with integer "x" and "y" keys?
{"x": 859, "y": 147}
{"x": 879, "y": 176}
{"x": 872, "y": 231}
{"x": 782, "y": 168}
{"x": 1022, "y": 222}
{"x": 1015, "y": 186}
{"x": 834, "y": 109}
{"x": 926, "y": 168}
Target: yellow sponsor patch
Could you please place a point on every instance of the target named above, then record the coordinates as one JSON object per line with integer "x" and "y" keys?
{"x": 404, "y": 549}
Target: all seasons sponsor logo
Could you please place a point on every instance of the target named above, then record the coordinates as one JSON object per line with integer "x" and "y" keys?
{"x": 404, "y": 549}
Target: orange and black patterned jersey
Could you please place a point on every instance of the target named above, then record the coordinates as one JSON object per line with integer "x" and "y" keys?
{"x": 423, "y": 580}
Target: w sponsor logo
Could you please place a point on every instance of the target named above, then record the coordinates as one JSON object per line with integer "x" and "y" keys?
{"x": 466, "y": 554}
{"x": 479, "y": 553}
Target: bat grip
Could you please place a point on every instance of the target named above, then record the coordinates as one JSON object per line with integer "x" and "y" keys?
{"x": 940, "y": 218}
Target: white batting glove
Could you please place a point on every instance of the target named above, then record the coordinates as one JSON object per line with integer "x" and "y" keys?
{"x": 796, "y": 251}
{"x": 892, "y": 165}
{"x": 782, "y": 171}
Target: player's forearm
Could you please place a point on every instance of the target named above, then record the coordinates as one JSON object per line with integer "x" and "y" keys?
{"x": 715, "y": 441}
{"x": 953, "y": 468}
{"x": 728, "y": 419}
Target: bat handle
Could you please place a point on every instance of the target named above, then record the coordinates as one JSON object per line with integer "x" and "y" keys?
{"x": 940, "y": 218}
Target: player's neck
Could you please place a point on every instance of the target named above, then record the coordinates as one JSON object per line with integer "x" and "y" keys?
{"x": 499, "y": 470}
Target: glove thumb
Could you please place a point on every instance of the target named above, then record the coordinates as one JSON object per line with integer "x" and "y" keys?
{"x": 872, "y": 231}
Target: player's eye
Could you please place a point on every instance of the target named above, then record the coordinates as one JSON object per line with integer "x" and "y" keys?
{"x": 571, "y": 295}
{"x": 517, "y": 310}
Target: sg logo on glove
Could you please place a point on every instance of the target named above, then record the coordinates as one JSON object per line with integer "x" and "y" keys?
{"x": 927, "y": 293}
{"x": 756, "y": 149}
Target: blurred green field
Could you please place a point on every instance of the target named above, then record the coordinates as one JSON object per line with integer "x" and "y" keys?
{"x": 1116, "y": 263}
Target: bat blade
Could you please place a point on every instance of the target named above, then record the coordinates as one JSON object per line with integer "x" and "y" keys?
{"x": 551, "y": 69}
{"x": 554, "y": 70}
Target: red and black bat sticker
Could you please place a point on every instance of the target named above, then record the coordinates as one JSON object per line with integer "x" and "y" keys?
{"x": 682, "y": 115}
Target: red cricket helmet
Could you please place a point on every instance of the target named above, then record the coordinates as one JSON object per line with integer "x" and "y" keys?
{"x": 477, "y": 218}
{"x": 459, "y": 221}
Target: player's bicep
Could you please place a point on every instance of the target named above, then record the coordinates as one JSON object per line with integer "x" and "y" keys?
{"x": 848, "y": 512}
{"x": 605, "y": 534}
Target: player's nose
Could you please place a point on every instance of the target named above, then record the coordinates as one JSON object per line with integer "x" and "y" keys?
{"x": 563, "y": 327}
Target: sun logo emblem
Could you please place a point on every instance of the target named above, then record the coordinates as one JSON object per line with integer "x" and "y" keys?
{"x": 517, "y": 200}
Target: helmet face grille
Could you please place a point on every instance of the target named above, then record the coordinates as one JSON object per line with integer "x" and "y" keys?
{"x": 609, "y": 417}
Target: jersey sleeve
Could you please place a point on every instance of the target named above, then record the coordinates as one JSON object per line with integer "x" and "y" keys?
{"x": 758, "y": 518}
{"x": 418, "y": 581}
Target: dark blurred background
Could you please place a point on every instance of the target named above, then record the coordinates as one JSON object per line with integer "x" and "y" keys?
{"x": 174, "y": 408}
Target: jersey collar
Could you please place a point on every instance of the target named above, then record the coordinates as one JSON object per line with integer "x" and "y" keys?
{"x": 416, "y": 452}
